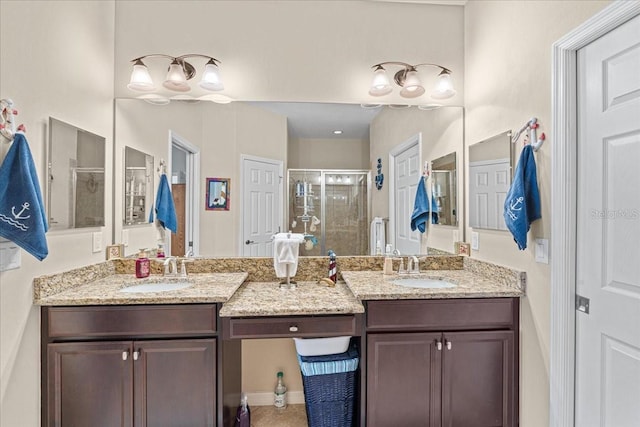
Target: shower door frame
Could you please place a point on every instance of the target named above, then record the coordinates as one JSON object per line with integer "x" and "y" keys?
{"x": 323, "y": 173}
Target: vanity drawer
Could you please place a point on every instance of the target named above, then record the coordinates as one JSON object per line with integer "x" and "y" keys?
{"x": 445, "y": 314}
{"x": 130, "y": 321}
{"x": 294, "y": 326}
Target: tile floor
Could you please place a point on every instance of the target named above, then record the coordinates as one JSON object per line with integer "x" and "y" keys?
{"x": 268, "y": 416}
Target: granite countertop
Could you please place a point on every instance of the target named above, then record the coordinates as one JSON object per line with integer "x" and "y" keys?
{"x": 373, "y": 285}
{"x": 206, "y": 288}
{"x": 309, "y": 298}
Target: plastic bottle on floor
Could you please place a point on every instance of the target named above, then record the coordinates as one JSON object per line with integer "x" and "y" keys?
{"x": 280, "y": 394}
{"x": 243, "y": 416}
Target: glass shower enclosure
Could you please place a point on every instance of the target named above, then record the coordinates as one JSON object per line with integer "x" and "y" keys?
{"x": 331, "y": 208}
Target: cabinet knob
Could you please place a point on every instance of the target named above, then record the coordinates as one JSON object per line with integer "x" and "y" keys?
{"x": 125, "y": 355}
{"x": 439, "y": 345}
{"x": 136, "y": 355}
{"x": 293, "y": 328}
{"x": 448, "y": 344}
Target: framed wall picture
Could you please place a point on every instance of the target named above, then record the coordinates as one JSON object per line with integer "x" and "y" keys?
{"x": 217, "y": 194}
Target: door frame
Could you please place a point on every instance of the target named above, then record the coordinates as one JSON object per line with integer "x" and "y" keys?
{"x": 280, "y": 165}
{"x": 192, "y": 203}
{"x": 393, "y": 153}
{"x": 564, "y": 203}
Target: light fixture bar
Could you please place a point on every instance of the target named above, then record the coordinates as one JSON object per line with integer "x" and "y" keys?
{"x": 407, "y": 78}
{"x": 180, "y": 71}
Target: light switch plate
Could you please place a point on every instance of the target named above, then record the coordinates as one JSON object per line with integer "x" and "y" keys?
{"x": 125, "y": 237}
{"x": 475, "y": 241}
{"x": 97, "y": 241}
{"x": 10, "y": 256}
{"x": 542, "y": 251}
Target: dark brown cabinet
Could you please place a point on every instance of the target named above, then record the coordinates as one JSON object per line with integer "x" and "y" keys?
{"x": 168, "y": 380}
{"x": 158, "y": 383}
{"x": 446, "y": 377}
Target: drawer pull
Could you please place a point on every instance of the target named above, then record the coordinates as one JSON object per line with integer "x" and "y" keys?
{"x": 439, "y": 345}
{"x": 136, "y": 355}
{"x": 448, "y": 344}
{"x": 293, "y": 328}
{"x": 125, "y": 355}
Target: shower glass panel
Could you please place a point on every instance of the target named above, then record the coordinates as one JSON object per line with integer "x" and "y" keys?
{"x": 331, "y": 208}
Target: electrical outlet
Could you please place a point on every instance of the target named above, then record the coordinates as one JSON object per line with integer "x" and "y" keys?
{"x": 475, "y": 241}
{"x": 97, "y": 241}
{"x": 125, "y": 237}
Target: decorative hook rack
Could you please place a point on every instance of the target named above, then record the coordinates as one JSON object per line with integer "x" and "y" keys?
{"x": 532, "y": 125}
{"x": 7, "y": 123}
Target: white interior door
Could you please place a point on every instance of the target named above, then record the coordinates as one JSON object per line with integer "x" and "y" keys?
{"x": 406, "y": 176}
{"x": 608, "y": 233}
{"x": 262, "y": 204}
{"x": 489, "y": 183}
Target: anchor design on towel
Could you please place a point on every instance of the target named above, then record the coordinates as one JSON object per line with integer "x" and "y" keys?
{"x": 25, "y": 207}
{"x": 515, "y": 205}
{"x": 16, "y": 216}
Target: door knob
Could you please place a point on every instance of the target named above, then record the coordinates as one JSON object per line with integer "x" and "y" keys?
{"x": 248, "y": 242}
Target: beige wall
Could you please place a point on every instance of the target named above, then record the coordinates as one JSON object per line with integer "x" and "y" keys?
{"x": 508, "y": 81}
{"x": 311, "y": 153}
{"x": 57, "y": 60}
{"x": 442, "y": 133}
{"x": 305, "y": 51}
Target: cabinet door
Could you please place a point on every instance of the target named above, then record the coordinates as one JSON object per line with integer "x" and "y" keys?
{"x": 478, "y": 379}
{"x": 89, "y": 384}
{"x": 175, "y": 383}
{"x": 403, "y": 379}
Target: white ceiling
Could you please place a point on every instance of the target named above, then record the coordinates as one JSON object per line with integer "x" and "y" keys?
{"x": 318, "y": 120}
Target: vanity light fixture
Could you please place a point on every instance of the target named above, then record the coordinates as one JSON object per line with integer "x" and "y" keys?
{"x": 179, "y": 73}
{"x": 409, "y": 82}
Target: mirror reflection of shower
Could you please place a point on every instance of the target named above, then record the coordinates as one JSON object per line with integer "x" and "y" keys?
{"x": 331, "y": 209}
{"x": 76, "y": 179}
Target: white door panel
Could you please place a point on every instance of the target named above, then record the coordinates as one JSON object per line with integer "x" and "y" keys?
{"x": 261, "y": 205}
{"x": 407, "y": 174}
{"x": 608, "y": 230}
{"x": 489, "y": 183}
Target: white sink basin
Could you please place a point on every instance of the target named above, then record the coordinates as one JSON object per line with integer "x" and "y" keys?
{"x": 156, "y": 287}
{"x": 424, "y": 282}
{"x": 321, "y": 346}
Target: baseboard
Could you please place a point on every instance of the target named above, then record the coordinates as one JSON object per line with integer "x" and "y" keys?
{"x": 266, "y": 399}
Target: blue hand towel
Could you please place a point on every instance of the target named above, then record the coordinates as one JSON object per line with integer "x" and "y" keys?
{"x": 22, "y": 215}
{"x": 420, "y": 214}
{"x": 522, "y": 205}
{"x": 165, "y": 209}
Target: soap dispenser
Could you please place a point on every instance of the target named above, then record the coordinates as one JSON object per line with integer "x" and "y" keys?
{"x": 143, "y": 265}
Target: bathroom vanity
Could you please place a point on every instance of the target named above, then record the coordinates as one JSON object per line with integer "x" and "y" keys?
{"x": 448, "y": 355}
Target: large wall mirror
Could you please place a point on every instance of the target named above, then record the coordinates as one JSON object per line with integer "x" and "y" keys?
{"x": 301, "y": 135}
{"x": 76, "y": 184}
{"x": 138, "y": 186}
{"x": 490, "y": 170}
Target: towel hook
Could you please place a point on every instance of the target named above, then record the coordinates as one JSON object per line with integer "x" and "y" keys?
{"x": 532, "y": 125}
{"x": 426, "y": 170}
{"x": 162, "y": 167}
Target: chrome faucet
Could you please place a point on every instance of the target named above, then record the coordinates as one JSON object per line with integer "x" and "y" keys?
{"x": 413, "y": 265}
{"x": 170, "y": 266}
